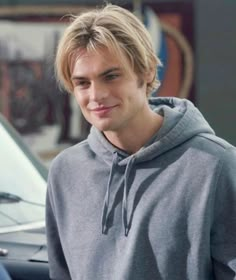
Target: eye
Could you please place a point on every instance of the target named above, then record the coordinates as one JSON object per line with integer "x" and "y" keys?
{"x": 81, "y": 84}
{"x": 111, "y": 77}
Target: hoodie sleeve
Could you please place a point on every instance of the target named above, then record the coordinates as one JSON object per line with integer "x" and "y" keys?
{"x": 223, "y": 237}
{"x": 58, "y": 268}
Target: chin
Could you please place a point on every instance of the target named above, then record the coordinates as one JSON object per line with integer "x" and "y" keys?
{"x": 106, "y": 127}
{"x": 103, "y": 125}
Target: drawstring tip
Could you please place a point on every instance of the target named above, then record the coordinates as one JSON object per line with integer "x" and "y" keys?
{"x": 126, "y": 231}
{"x": 104, "y": 229}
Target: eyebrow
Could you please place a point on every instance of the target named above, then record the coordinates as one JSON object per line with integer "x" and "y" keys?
{"x": 108, "y": 71}
{"x": 104, "y": 73}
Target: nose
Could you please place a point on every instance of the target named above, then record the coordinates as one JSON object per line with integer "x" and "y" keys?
{"x": 98, "y": 91}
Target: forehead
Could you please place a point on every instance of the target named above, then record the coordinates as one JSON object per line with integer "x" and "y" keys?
{"x": 92, "y": 61}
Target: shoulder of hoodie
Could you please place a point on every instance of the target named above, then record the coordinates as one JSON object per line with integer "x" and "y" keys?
{"x": 222, "y": 150}
{"x": 225, "y": 178}
{"x": 215, "y": 141}
{"x": 70, "y": 156}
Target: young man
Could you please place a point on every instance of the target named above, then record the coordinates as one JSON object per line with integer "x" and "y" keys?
{"x": 151, "y": 194}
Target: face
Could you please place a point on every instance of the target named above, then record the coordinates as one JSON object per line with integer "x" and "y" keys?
{"x": 110, "y": 98}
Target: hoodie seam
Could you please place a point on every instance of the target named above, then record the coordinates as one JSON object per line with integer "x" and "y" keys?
{"x": 218, "y": 177}
{"x": 218, "y": 142}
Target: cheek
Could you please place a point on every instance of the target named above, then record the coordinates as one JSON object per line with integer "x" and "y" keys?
{"x": 81, "y": 99}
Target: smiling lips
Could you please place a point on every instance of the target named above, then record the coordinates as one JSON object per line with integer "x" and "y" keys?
{"x": 102, "y": 110}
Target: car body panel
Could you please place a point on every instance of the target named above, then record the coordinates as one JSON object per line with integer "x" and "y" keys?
{"x": 23, "y": 248}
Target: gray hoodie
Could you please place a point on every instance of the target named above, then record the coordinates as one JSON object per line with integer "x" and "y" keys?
{"x": 166, "y": 212}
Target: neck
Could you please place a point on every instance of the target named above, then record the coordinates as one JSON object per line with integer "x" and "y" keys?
{"x": 131, "y": 139}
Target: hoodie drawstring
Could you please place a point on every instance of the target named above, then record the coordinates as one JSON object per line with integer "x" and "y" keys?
{"x": 105, "y": 212}
{"x": 126, "y": 220}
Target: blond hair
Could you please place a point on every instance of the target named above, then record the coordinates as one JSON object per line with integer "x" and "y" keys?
{"x": 112, "y": 27}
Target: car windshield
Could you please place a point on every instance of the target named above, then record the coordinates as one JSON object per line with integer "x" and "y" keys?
{"x": 19, "y": 177}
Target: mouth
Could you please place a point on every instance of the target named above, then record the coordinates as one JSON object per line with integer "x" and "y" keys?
{"x": 103, "y": 110}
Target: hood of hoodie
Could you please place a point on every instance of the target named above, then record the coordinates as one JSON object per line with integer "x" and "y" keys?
{"x": 181, "y": 121}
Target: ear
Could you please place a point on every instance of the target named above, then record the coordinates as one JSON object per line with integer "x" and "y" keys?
{"x": 150, "y": 76}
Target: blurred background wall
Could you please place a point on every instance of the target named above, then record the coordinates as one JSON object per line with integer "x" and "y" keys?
{"x": 215, "y": 58}
{"x": 210, "y": 29}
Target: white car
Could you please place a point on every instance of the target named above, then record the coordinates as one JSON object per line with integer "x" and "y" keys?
{"x": 23, "y": 248}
